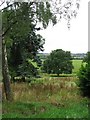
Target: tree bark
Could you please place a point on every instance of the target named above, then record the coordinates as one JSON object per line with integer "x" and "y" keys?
{"x": 5, "y": 73}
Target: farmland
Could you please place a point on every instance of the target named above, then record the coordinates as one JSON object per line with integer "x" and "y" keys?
{"x": 48, "y": 97}
{"x": 77, "y": 65}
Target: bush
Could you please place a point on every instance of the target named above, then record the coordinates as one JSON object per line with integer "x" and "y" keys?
{"x": 84, "y": 77}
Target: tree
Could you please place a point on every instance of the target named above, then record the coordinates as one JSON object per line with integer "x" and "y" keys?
{"x": 58, "y": 62}
{"x": 84, "y": 76}
{"x": 19, "y": 21}
{"x": 15, "y": 17}
{"x": 23, "y": 50}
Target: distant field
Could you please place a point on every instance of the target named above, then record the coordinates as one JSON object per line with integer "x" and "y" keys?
{"x": 77, "y": 65}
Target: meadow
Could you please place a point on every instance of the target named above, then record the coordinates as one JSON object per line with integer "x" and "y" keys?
{"x": 77, "y": 65}
{"x": 48, "y": 97}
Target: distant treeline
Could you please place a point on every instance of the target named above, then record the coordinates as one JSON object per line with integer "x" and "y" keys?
{"x": 78, "y": 56}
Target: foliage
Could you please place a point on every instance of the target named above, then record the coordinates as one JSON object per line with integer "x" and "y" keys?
{"x": 23, "y": 50}
{"x": 27, "y": 69}
{"x": 84, "y": 77}
{"x": 20, "y": 21}
{"x": 20, "y": 18}
{"x": 87, "y": 58}
{"x": 58, "y": 62}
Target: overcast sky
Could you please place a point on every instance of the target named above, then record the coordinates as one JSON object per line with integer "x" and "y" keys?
{"x": 75, "y": 39}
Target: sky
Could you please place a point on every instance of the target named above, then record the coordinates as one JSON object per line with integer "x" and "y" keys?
{"x": 75, "y": 39}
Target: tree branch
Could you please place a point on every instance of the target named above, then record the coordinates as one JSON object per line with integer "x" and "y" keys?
{"x": 8, "y": 28}
{"x": 10, "y": 5}
{"x": 2, "y": 3}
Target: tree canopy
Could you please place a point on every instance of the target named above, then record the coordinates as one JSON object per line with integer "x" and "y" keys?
{"x": 58, "y": 62}
{"x": 19, "y": 26}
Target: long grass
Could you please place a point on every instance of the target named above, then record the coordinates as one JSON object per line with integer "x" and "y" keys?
{"x": 50, "y": 97}
{"x": 43, "y": 88}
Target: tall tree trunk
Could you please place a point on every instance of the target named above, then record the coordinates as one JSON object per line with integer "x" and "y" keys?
{"x": 5, "y": 73}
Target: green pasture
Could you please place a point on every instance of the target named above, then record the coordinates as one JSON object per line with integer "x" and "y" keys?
{"x": 77, "y": 65}
{"x": 45, "y": 110}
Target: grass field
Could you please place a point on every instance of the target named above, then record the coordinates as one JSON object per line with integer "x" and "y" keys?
{"x": 77, "y": 65}
{"x": 48, "y": 97}
{"x": 45, "y": 110}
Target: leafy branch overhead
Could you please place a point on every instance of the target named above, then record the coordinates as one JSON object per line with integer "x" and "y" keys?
{"x": 47, "y": 11}
{"x": 30, "y": 13}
